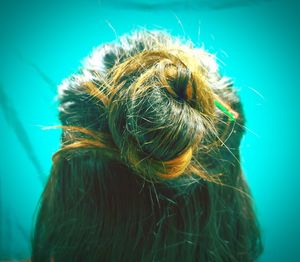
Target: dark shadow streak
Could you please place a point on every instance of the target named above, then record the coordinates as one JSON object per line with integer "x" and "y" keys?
{"x": 181, "y": 5}
{"x": 28, "y": 62}
{"x": 22, "y": 231}
{"x": 13, "y": 120}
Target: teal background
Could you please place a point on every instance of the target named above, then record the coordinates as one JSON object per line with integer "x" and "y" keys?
{"x": 257, "y": 43}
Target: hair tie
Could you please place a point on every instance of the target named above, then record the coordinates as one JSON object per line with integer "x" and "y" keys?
{"x": 226, "y": 109}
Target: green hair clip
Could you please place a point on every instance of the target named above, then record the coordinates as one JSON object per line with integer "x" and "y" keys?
{"x": 233, "y": 115}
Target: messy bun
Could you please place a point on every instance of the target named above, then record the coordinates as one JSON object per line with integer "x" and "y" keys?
{"x": 155, "y": 117}
{"x": 149, "y": 165}
{"x": 155, "y": 100}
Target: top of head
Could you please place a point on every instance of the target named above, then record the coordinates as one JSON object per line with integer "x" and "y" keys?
{"x": 156, "y": 99}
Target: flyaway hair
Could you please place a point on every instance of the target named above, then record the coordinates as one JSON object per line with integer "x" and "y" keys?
{"x": 149, "y": 164}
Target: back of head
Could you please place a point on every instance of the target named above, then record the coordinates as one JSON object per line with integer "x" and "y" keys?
{"x": 148, "y": 168}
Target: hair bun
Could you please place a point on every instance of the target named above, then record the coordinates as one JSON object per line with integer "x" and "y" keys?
{"x": 154, "y": 98}
{"x": 156, "y": 111}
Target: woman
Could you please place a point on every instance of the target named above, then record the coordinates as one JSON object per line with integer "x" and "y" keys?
{"x": 149, "y": 165}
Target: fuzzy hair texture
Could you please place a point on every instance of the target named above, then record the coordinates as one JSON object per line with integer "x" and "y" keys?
{"x": 149, "y": 168}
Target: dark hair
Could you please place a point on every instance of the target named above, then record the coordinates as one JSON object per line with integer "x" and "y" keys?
{"x": 149, "y": 167}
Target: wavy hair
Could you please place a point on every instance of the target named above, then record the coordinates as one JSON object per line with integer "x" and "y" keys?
{"x": 149, "y": 164}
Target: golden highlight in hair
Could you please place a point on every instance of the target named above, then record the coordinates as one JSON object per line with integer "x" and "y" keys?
{"x": 149, "y": 69}
{"x": 149, "y": 165}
